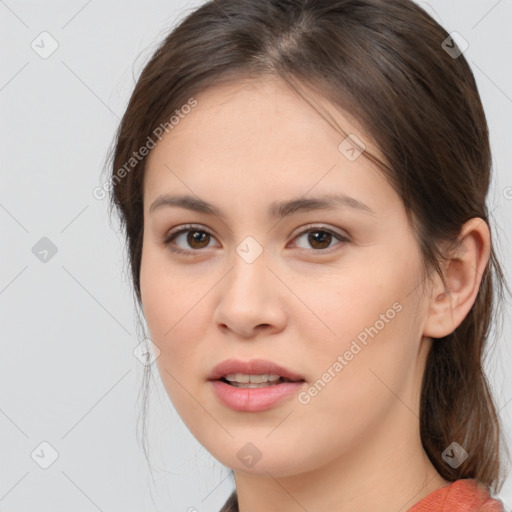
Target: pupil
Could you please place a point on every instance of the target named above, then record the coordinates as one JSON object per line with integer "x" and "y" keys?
{"x": 316, "y": 237}
{"x": 197, "y": 237}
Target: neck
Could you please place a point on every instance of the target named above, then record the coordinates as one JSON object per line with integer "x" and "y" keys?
{"x": 370, "y": 483}
{"x": 385, "y": 468}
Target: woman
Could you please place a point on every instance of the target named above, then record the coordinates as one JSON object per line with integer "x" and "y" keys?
{"x": 302, "y": 186}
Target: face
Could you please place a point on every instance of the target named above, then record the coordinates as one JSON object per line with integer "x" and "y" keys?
{"x": 329, "y": 292}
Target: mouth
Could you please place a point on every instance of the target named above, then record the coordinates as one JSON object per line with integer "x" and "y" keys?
{"x": 253, "y": 386}
{"x": 253, "y": 373}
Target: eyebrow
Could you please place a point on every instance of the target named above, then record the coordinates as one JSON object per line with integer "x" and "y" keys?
{"x": 277, "y": 210}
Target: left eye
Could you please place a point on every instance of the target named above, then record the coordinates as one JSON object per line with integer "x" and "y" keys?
{"x": 196, "y": 238}
{"x": 320, "y": 238}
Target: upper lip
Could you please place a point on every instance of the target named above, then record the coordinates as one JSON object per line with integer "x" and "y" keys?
{"x": 252, "y": 367}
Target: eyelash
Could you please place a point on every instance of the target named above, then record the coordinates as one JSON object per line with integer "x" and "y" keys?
{"x": 192, "y": 227}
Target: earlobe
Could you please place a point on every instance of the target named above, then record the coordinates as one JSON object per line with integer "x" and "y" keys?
{"x": 463, "y": 272}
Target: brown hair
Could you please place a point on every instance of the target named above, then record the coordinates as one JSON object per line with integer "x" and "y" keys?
{"x": 384, "y": 63}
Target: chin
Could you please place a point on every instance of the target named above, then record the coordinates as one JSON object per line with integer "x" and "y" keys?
{"x": 248, "y": 458}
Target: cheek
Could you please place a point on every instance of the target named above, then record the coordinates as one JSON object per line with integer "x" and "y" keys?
{"x": 172, "y": 303}
{"x": 342, "y": 305}
{"x": 374, "y": 352}
{"x": 355, "y": 384}
{"x": 170, "y": 308}
{"x": 370, "y": 322}
{"x": 162, "y": 311}
{"x": 166, "y": 295}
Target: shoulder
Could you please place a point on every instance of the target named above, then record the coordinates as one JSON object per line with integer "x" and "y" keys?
{"x": 464, "y": 495}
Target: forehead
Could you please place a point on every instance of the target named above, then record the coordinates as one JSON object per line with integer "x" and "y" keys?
{"x": 256, "y": 110}
{"x": 260, "y": 136}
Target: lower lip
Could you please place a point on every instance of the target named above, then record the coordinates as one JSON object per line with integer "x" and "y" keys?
{"x": 254, "y": 399}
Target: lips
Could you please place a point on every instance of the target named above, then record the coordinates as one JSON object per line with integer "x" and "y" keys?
{"x": 258, "y": 397}
{"x": 252, "y": 367}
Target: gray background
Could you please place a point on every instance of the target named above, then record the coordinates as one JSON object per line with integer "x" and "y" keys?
{"x": 68, "y": 374}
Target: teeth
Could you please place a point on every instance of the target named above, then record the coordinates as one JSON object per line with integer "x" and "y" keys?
{"x": 253, "y": 379}
{"x": 250, "y": 385}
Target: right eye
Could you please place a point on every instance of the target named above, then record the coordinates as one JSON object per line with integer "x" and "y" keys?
{"x": 194, "y": 236}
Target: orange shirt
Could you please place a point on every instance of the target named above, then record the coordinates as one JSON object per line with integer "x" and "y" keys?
{"x": 464, "y": 495}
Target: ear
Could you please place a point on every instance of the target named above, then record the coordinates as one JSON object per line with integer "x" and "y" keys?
{"x": 463, "y": 274}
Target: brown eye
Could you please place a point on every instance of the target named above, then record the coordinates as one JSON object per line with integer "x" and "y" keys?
{"x": 188, "y": 240}
{"x": 196, "y": 239}
{"x": 319, "y": 239}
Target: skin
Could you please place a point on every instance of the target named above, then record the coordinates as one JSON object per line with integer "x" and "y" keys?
{"x": 356, "y": 444}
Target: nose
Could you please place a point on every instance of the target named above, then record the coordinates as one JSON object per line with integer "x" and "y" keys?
{"x": 251, "y": 299}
